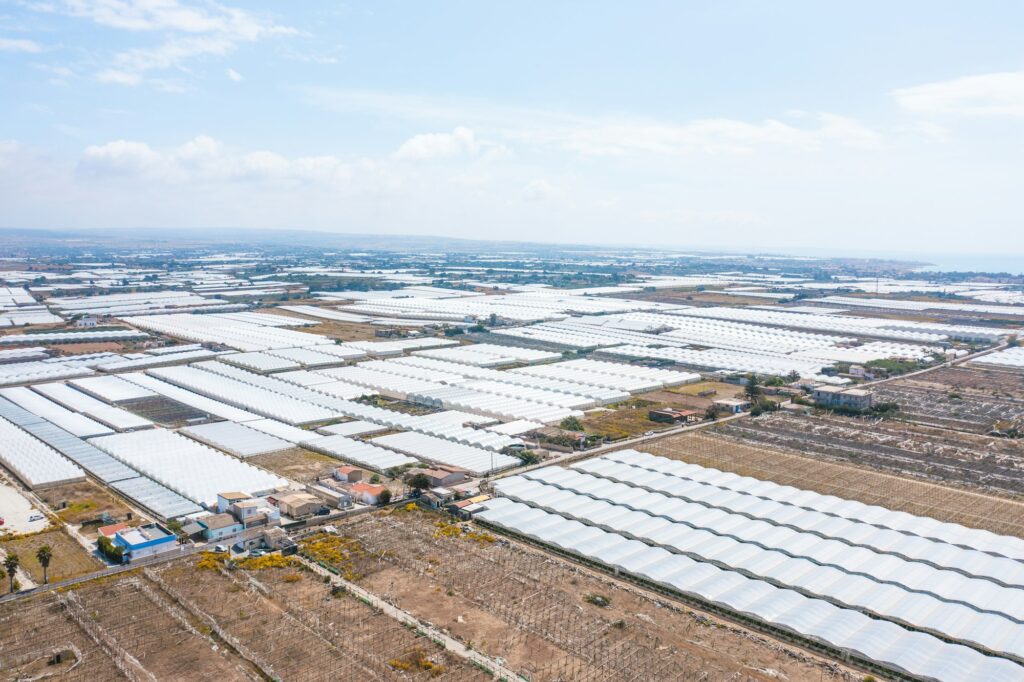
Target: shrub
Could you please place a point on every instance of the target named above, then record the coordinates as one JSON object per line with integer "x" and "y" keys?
{"x": 571, "y": 424}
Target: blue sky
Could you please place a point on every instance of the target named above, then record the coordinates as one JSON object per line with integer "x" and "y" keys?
{"x": 741, "y": 125}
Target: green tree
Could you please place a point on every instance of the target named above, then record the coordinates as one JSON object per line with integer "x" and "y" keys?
{"x": 571, "y": 424}
{"x": 753, "y": 389}
{"x": 384, "y": 497}
{"x": 527, "y": 456}
{"x": 418, "y": 481}
{"x": 43, "y": 555}
{"x": 11, "y": 563}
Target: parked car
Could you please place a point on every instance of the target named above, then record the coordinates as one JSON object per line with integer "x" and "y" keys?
{"x": 220, "y": 549}
{"x": 36, "y": 517}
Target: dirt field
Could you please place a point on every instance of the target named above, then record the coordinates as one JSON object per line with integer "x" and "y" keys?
{"x": 297, "y": 464}
{"x": 69, "y": 558}
{"x": 994, "y": 465}
{"x": 809, "y": 471}
{"x": 344, "y": 331}
{"x": 290, "y": 624}
{"x": 82, "y": 502}
{"x": 167, "y": 642}
{"x": 38, "y": 638}
{"x": 625, "y": 419}
{"x": 969, "y": 379}
{"x": 963, "y": 398}
{"x": 537, "y": 613}
{"x": 83, "y": 348}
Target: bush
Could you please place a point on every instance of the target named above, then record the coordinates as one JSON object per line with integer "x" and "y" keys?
{"x": 418, "y": 481}
{"x": 571, "y": 424}
{"x": 527, "y": 456}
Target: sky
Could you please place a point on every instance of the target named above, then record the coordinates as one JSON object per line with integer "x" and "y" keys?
{"x": 782, "y": 126}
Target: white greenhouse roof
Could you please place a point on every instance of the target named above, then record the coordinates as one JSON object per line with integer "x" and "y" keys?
{"x": 36, "y": 464}
{"x": 358, "y": 452}
{"x": 236, "y": 439}
{"x": 112, "y": 388}
{"x": 193, "y": 470}
{"x": 433, "y": 449}
{"x": 849, "y": 630}
{"x": 78, "y": 424}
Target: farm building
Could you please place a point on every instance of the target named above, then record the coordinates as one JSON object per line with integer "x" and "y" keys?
{"x": 145, "y": 541}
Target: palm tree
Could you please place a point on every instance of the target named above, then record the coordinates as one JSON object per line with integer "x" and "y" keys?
{"x": 43, "y": 555}
{"x": 11, "y": 563}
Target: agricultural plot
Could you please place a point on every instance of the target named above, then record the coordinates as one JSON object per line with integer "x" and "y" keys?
{"x": 82, "y": 503}
{"x": 297, "y": 464}
{"x": 164, "y": 411}
{"x": 290, "y": 626}
{"x": 962, "y": 398}
{"x": 547, "y": 618}
{"x": 625, "y": 419}
{"x": 141, "y": 623}
{"x": 942, "y": 456}
{"x": 728, "y": 451}
{"x": 70, "y": 559}
{"x": 38, "y": 638}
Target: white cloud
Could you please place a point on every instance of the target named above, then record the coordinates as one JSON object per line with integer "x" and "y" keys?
{"x": 60, "y": 75}
{"x": 204, "y": 159}
{"x": 705, "y": 136}
{"x": 189, "y": 32}
{"x": 992, "y": 94}
{"x": 541, "y": 190}
{"x": 20, "y": 45}
{"x": 430, "y": 146}
{"x": 721, "y": 218}
{"x": 597, "y": 135}
{"x": 234, "y": 75}
{"x": 164, "y": 15}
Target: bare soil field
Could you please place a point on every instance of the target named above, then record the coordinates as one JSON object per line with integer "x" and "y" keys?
{"x": 83, "y": 348}
{"x": 147, "y": 625}
{"x": 541, "y": 614}
{"x": 990, "y": 464}
{"x": 297, "y": 464}
{"x": 78, "y": 503}
{"x": 963, "y": 398}
{"x": 38, "y": 638}
{"x": 625, "y": 419}
{"x": 343, "y": 331}
{"x": 970, "y": 380}
{"x": 692, "y": 296}
{"x": 290, "y": 625}
{"x": 727, "y": 450}
{"x": 69, "y": 560}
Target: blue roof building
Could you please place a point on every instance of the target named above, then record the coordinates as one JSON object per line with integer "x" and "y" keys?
{"x": 145, "y": 541}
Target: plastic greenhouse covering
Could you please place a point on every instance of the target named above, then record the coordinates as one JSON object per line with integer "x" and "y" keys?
{"x": 193, "y": 470}
{"x": 886, "y": 643}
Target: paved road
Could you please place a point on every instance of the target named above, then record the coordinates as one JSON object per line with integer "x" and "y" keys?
{"x": 451, "y": 644}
